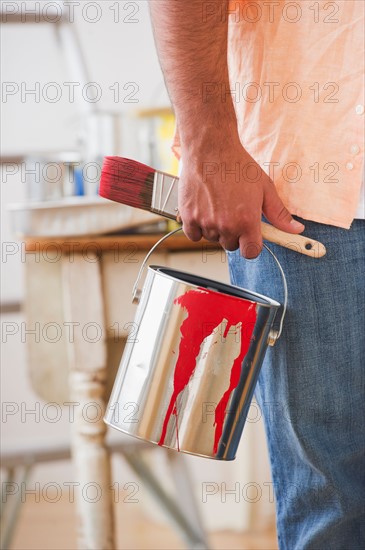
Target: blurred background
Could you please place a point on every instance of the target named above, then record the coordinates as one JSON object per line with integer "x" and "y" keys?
{"x": 81, "y": 80}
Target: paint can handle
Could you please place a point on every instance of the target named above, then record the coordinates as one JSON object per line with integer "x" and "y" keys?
{"x": 273, "y": 334}
{"x": 136, "y": 292}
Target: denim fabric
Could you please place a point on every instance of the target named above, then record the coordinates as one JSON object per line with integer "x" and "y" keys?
{"x": 311, "y": 388}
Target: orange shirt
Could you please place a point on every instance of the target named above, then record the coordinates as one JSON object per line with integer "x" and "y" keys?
{"x": 296, "y": 78}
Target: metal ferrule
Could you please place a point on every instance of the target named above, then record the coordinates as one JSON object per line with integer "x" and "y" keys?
{"x": 164, "y": 196}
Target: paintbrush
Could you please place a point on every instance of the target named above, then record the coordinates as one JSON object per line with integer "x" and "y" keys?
{"x": 135, "y": 184}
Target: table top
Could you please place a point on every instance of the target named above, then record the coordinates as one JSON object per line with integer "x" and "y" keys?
{"x": 105, "y": 243}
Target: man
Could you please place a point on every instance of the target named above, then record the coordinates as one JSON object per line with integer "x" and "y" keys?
{"x": 270, "y": 111}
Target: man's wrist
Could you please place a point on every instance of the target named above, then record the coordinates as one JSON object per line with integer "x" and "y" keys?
{"x": 210, "y": 130}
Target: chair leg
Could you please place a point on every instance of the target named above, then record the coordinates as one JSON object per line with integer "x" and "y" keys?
{"x": 10, "y": 508}
{"x": 194, "y": 537}
{"x": 184, "y": 488}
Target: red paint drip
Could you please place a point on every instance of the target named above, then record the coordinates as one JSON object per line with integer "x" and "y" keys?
{"x": 210, "y": 308}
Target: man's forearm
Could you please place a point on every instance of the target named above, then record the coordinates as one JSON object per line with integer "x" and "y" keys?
{"x": 192, "y": 47}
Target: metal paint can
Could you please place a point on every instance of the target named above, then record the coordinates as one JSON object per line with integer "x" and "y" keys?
{"x": 187, "y": 379}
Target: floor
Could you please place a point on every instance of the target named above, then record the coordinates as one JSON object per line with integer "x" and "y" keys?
{"x": 52, "y": 526}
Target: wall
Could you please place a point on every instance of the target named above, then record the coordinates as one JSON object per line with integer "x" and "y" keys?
{"x": 119, "y": 53}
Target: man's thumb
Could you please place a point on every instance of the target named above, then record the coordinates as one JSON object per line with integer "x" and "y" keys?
{"x": 275, "y": 211}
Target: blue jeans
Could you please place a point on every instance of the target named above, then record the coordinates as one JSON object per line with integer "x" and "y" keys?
{"x": 311, "y": 388}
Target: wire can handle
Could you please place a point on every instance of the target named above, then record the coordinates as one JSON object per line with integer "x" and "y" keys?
{"x": 274, "y": 334}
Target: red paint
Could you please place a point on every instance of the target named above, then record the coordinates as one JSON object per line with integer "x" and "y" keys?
{"x": 210, "y": 309}
{"x": 127, "y": 181}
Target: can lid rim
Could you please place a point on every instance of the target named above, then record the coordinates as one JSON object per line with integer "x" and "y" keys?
{"x": 206, "y": 283}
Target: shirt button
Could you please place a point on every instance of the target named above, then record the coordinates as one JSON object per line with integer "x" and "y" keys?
{"x": 349, "y": 166}
{"x": 360, "y": 109}
{"x": 354, "y": 149}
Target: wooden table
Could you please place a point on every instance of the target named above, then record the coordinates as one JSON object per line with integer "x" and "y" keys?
{"x": 79, "y": 292}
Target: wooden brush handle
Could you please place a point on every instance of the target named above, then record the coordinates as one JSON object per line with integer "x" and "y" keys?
{"x": 298, "y": 243}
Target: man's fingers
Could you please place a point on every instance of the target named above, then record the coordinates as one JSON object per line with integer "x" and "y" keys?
{"x": 192, "y": 231}
{"x": 250, "y": 248}
{"x": 251, "y": 242}
{"x": 210, "y": 234}
{"x": 277, "y": 214}
{"x": 229, "y": 243}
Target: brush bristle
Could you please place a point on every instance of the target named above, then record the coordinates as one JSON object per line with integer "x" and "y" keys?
{"x": 127, "y": 181}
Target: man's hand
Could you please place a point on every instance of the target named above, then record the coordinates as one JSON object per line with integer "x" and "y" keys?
{"x": 222, "y": 194}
